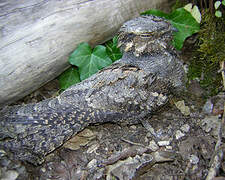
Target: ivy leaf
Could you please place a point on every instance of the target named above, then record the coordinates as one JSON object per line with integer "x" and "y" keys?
{"x": 182, "y": 20}
{"x": 194, "y": 11}
{"x": 217, "y": 4}
{"x": 88, "y": 60}
{"x": 186, "y": 25}
{"x": 112, "y": 50}
{"x": 68, "y": 78}
{"x": 223, "y": 2}
{"x": 218, "y": 13}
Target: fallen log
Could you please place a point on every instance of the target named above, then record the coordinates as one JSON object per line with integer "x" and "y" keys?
{"x": 37, "y": 36}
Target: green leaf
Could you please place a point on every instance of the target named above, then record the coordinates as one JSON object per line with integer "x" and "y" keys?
{"x": 68, "y": 78}
{"x": 89, "y": 61}
{"x": 185, "y": 24}
{"x": 223, "y": 2}
{"x": 194, "y": 11}
{"x": 218, "y": 13}
{"x": 112, "y": 50}
{"x": 182, "y": 20}
{"x": 217, "y": 4}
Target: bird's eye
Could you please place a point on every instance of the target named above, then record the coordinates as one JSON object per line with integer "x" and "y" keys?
{"x": 146, "y": 35}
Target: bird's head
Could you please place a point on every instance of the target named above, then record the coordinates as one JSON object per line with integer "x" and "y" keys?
{"x": 145, "y": 34}
{"x": 146, "y": 43}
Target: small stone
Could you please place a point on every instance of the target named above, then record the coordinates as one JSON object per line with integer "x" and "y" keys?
{"x": 133, "y": 127}
{"x": 155, "y": 94}
{"x": 208, "y": 107}
{"x": 93, "y": 148}
{"x": 169, "y": 147}
{"x": 92, "y": 164}
{"x": 185, "y": 128}
{"x": 164, "y": 143}
{"x": 153, "y": 146}
{"x": 179, "y": 134}
{"x": 194, "y": 159}
{"x": 10, "y": 175}
{"x": 182, "y": 107}
{"x": 43, "y": 169}
{"x": 210, "y": 123}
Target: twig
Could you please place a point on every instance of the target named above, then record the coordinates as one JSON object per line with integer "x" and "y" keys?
{"x": 217, "y": 155}
{"x": 132, "y": 143}
{"x": 222, "y": 69}
{"x": 129, "y": 152}
{"x": 218, "y": 152}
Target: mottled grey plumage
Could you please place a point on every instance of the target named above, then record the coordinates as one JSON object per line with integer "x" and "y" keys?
{"x": 138, "y": 84}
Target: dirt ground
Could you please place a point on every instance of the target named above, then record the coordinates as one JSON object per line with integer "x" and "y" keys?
{"x": 183, "y": 147}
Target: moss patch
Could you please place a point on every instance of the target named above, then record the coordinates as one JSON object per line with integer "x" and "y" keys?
{"x": 210, "y": 51}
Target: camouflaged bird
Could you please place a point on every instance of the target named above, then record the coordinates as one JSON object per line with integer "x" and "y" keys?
{"x": 133, "y": 87}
